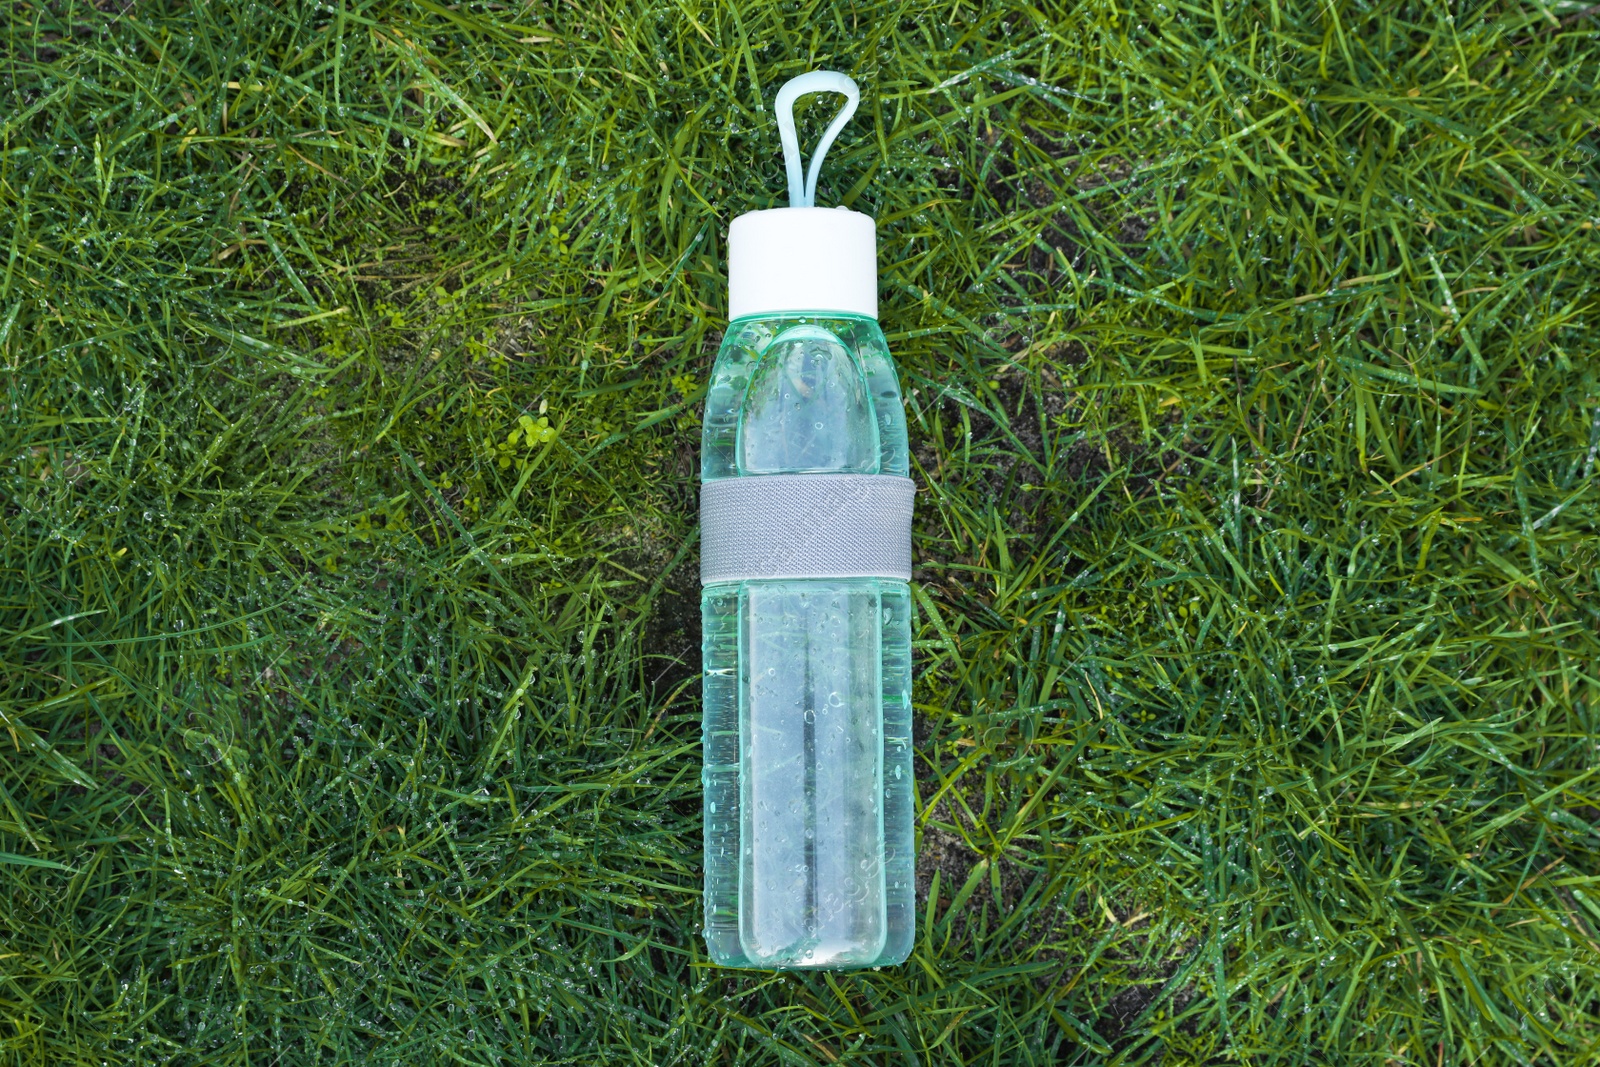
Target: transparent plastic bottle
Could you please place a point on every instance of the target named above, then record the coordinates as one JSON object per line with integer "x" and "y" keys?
{"x": 809, "y": 842}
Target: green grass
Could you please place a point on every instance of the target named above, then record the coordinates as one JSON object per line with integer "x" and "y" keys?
{"x": 1251, "y": 362}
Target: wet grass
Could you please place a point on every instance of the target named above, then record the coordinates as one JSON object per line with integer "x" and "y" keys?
{"x": 352, "y": 355}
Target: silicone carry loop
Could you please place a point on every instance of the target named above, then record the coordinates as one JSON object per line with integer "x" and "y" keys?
{"x": 803, "y": 191}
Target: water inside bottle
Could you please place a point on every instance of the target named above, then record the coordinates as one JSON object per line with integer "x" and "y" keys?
{"x": 807, "y": 705}
{"x": 811, "y": 877}
{"x": 807, "y": 409}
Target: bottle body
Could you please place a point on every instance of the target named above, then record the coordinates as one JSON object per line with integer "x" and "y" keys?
{"x": 808, "y": 775}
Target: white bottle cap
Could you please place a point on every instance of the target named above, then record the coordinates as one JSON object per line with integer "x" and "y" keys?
{"x": 802, "y": 259}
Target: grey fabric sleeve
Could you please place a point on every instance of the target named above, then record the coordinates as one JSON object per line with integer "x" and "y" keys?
{"x": 805, "y": 526}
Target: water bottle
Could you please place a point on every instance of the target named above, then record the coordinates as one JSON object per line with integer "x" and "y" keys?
{"x": 806, "y": 606}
